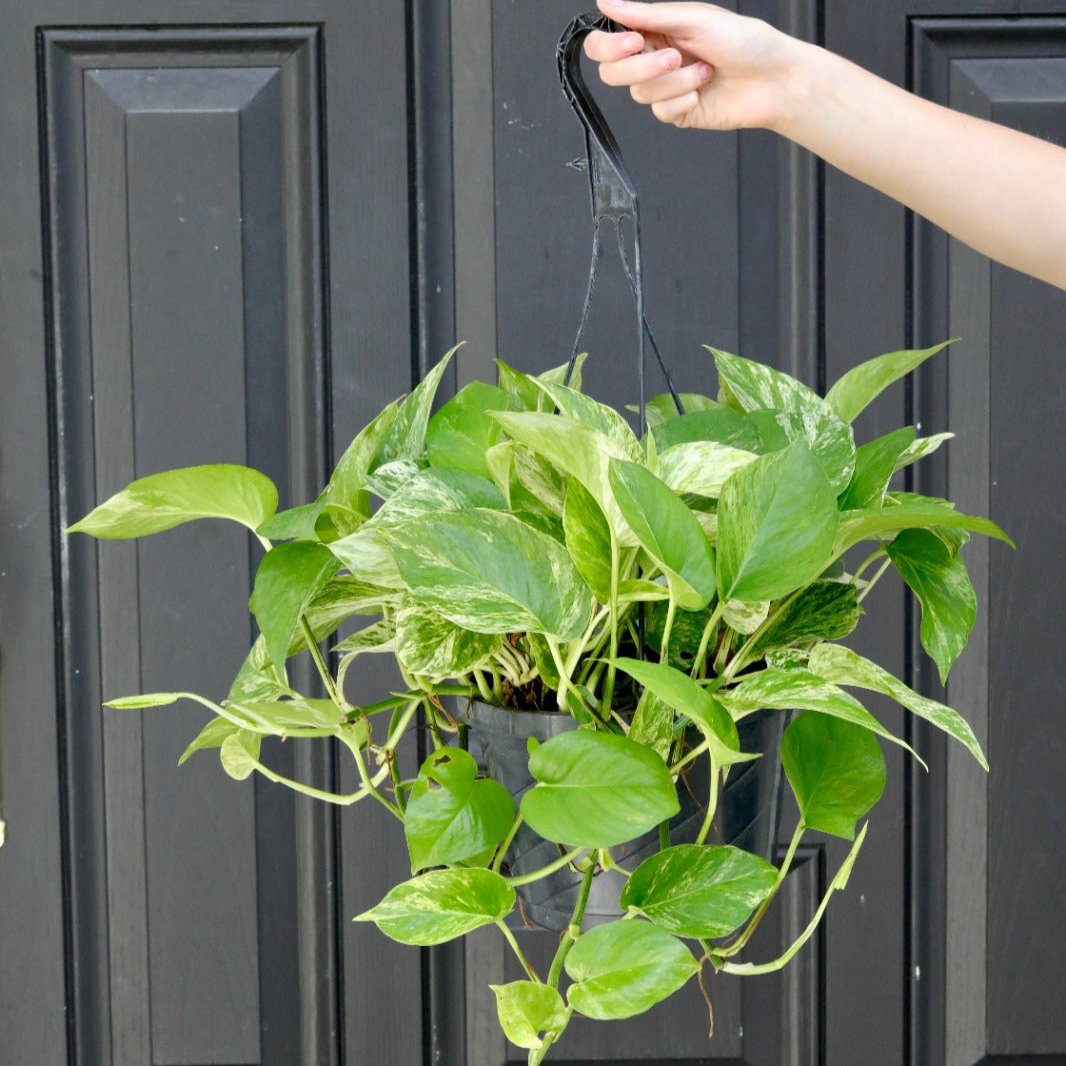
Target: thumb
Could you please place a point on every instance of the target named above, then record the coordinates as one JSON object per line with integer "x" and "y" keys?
{"x": 680, "y": 20}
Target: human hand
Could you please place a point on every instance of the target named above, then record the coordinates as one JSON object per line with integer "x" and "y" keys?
{"x": 698, "y": 65}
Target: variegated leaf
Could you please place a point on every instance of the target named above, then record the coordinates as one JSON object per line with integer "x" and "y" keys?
{"x": 701, "y": 467}
{"x": 430, "y": 646}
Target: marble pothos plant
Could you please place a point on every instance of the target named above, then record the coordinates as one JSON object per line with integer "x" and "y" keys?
{"x": 524, "y": 547}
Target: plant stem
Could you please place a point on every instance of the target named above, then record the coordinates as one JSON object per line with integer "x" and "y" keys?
{"x": 608, "y": 685}
{"x": 712, "y": 804}
{"x": 507, "y": 842}
{"x": 671, "y": 610}
{"x": 536, "y": 875}
{"x": 867, "y": 562}
{"x": 320, "y": 663}
{"x": 573, "y": 930}
{"x": 530, "y": 972}
{"x": 757, "y": 917}
{"x": 564, "y": 676}
{"x": 740, "y": 659}
{"x": 483, "y": 688}
{"x": 873, "y": 581}
{"x": 364, "y": 776}
{"x": 705, "y": 641}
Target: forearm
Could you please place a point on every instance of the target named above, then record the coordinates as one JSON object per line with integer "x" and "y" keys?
{"x": 999, "y": 191}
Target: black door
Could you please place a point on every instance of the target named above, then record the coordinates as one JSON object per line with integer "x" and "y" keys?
{"x": 231, "y": 232}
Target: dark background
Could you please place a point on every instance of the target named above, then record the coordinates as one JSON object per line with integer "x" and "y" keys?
{"x": 233, "y": 230}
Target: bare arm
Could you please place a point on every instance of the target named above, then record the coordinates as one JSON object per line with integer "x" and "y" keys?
{"x": 700, "y": 66}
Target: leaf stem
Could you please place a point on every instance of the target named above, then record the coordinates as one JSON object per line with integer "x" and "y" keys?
{"x": 521, "y": 955}
{"x": 757, "y": 917}
{"x": 608, "y": 685}
{"x": 712, "y": 803}
{"x": 573, "y": 930}
{"x": 873, "y": 581}
{"x": 320, "y": 664}
{"x": 671, "y": 610}
{"x": 705, "y": 641}
{"x": 536, "y": 875}
{"x": 507, "y": 842}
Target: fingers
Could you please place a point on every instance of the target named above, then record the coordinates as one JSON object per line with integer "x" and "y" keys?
{"x": 681, "y": 82}
{"x": 677, "y": 110}
{"x": 640, "y": 68}
{"x": 659, "y": 18}
{"x": 610, "y": 47}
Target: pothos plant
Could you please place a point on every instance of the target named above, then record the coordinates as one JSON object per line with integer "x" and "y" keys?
{"x": 522, "y": 547}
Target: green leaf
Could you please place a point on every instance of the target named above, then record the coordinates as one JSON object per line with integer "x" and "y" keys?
{"x": 524, "y": 387}
{"x": 875, "y": 463}
{"x": 701, "y": 467}
{"x": 667, "y": 530}
{"x": 436, "y": 492}
{"x": 913, "y": 513}
{"x": 573, "y": 449}
{"x": 283, "y": 717}
{"x": 745, "y": 617}
{"x": 696, "y": 891}
{"x": 715, "y": 425}
{"x": 378, "y": 637}
{"x": 827, "y": 610}
{"x": 150, "y": 699}
{"x": 451, "y": 815}
{"x": 429, "y": 645}
{"x": 796, "y": 689}
{"x": 680, "y": 692}
{"x": 759, "y": 387}
{"x": 162, "y": 501}
{"x": 460, "y": 433}
{"x": 842, "y": 666}
{"x": 662, "y": 409}
{"x": 213, "y": 735}
{"x": 240, "y": 753}
{"x": 294, "y": 524}
{"x": 861, "y": 385}
{"x": 922, "y": 447}
{"x": 258, "y": 677}
{"x": 491, "y": 572}
{"x": 588, "y": 539}
{"x": 441, "y": 906}
{"x": 389, "y": 478}
{"x": 622, "y": 968}
{"x": 406, "y": 438}
{"x": 836, "y": 769}
{"x": 345, "y": 498}
{"x": 653, "y": 724}
{"x": 597, "y": 416}
{"x": 777, "y": 521}
{"x": 527, "y": 1009}
{"x": 940, "y": 580}
{"x": 596, "y": 790}
{"x": 288, "y": 579}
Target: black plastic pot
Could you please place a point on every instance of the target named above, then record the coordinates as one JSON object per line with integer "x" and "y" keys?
{"x": 749, "y": 807}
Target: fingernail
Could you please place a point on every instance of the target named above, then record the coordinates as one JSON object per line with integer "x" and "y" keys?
{"x": 614, "y": 3}
{"x": 705, "y": 71}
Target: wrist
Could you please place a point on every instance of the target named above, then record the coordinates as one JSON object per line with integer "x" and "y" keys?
{"x": 800, "y": 70}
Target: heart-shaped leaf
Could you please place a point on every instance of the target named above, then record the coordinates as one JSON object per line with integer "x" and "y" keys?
{"x": 827, "y": 610}
{"x": 777, "y": 521}
{"x": 875, "y": 463}
{"x": 939, "y": 578}
{"x": 239, "y": 754}
{"x": 595, "y": 415}
{"x": 524, "y": 387}
{"x": 406, "y": 438}
{"x": 527, "y": 1009}
{"x": 452, "y": 815}
{"x": 759, "y": 387}
{"x": 162, "y": 501}
{"x": 436, "y": 492}
{"x": 213, "y": 735}
{"x": 861, "y": 385}
{"x": 797, "y": 689}
{"x": 588, "y": 539}
{"x": 716, "y": 425}
{"x": 836, "y": 769}
{"x": 846, "y": 667}
{"x": 289, "y": 577}
{"x": 622, "y": 968}
{"x": 680, "y": 692}
{"x": 429, "y": 645}
{"x": 921, "y": 448}
{"x": 667, "y": 530}
{"x": 460, "y": 433}
{"x": 701, "y": 467}
{"x": 492, "y": 573}
{"x": 914, "y": 512}
{"x": 697, "y": 891}
{"x": 596, "y": 790}
{"x": 441, "y": 905}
